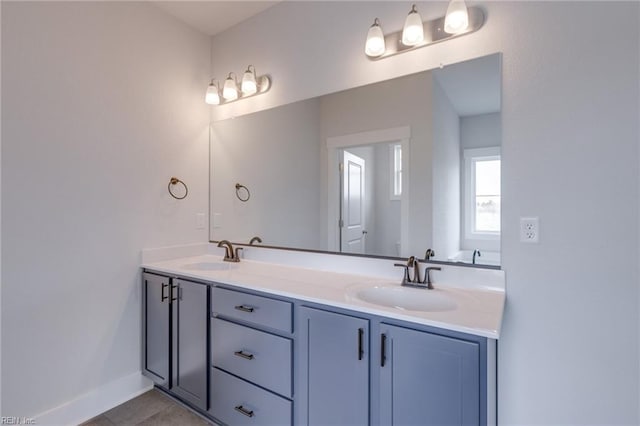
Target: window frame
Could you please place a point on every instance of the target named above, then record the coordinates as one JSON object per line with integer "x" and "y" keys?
{"x": 394, "y": 173}
{"x": 471, "y": 157}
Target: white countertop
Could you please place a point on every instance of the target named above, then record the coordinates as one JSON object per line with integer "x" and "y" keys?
{"x": 479, "y": 310}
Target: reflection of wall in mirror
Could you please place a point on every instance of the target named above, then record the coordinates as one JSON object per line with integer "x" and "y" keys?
{"x": 446, "y": 175}
{"x": 275, "y": 154}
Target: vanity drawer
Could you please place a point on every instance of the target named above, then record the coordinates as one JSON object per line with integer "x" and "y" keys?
{"x": 236, "y": 402}
{"x": 262, "y": 311}
{"x": 259, "y": 357}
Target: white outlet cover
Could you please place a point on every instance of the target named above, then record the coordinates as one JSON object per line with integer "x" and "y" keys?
{"x": 199, "y": 220}
{"x": 529, "y": 230}
{"x": 217, "y": 220}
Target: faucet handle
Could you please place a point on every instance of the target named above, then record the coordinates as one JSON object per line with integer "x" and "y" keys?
{"x": 405, "y": 279}
{"x": 427, "y": 276}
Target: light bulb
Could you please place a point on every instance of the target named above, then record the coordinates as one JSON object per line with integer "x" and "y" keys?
{"x": 249, "y": 86}
{"x": 413, "y": 32}
{"x": 375, "y": 40}
{"x": 212, "y": 97}
{"x": 230, "y": 89}
{"x": 457, "y": 18}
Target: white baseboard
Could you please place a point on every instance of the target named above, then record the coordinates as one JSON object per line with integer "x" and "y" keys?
{"x": 97, "y": 401}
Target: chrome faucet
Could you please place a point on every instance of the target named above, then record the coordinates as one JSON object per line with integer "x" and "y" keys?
{"x": 229, "y": 254}
{"x": 414, "y": 280}
{"x": 475, "y": 253}
{"x": 255, "y": 239}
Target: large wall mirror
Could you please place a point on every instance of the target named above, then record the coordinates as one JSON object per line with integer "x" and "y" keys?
{"x": 390, "y": 169}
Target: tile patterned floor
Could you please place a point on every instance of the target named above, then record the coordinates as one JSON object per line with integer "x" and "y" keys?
{"x": 152, "y": 408}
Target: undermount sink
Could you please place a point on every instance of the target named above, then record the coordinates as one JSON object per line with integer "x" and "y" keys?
{"x": 208, "y": 266}
{"x": 406, "y": 298}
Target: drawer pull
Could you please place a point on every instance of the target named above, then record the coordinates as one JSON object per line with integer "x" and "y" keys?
{"x": 244, "y": 308}
{"x": 244, "y": 411}
{"x": 243, "y": 355}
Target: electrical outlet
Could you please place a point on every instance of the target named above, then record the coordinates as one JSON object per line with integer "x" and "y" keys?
{"x": 529, "y": 230}
{"x": 199, "y": 220}
{"x": 217, "y": 220}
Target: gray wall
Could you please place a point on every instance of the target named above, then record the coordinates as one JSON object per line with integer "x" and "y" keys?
{"x": 387, "y": 211}
{"x": 568, "y": 352}
{"x": 102, "y": 103}
{"x": 480, "y": 131}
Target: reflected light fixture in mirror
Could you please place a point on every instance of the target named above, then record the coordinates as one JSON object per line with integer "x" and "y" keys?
{"x": 457, "y": 18}
{"x": 249, "y": 85}
{"x": 213, "y": 94}
{"x": 458, "y": 21}
{"x": 375, "y": 40}
{"x": 230, "y": 89}
{"x": 413, "y": 31}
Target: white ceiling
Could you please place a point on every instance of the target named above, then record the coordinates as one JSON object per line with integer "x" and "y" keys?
{"x": 473, "y": 87}
{"x": 213, "y": 17}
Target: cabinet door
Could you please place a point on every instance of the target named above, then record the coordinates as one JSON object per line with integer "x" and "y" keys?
{"x": 335, "y": 354}
{"x": 190, "y": 322}
{"x": 156, "y": 324}
{"x": 428, "y": 379}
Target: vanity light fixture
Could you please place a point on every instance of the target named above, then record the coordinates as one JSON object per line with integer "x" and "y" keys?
{"x": 230, "y": 89}
{"x": 375, "y": 40}
{"x": 213, "y": 94}
{"x": 413, "y": 31}
{"x": 251, "y": 85}
{"x": 458, "y": 21}
{"x": 457, "y": 18}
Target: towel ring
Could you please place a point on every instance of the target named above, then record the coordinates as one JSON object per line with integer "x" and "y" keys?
{"x": 245, "y": 198}
{"x": 174, "y": 181}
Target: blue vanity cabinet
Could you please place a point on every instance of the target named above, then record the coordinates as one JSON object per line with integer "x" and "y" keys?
{"x": 189, "y": 341}
{"x": 175, "y": 330}
{"x": 155, "y": 328}
{"x": 251, "y": 359}
{"x": 428, "y": 379}
{"x": 334, "y": 359}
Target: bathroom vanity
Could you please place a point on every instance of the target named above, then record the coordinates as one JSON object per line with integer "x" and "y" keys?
{"x": 264, "y": 343}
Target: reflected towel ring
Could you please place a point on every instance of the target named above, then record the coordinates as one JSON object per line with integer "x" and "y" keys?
{"x": 241, "y": 198}
{"x": 174, "y": 181}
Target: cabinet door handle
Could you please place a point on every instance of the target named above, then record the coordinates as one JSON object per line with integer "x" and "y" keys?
{"x": 163, "y": 297}
{"x": 244, "y": 308}
{"x": 383, "y": 349}
{"x": 173, "y": 286}
{"x": 244, "y": 411}
{"x": 243, "y": 355}
{"x": 360, "y": 343}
